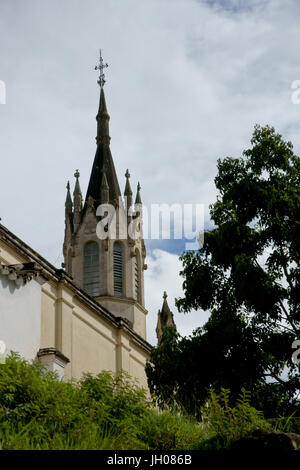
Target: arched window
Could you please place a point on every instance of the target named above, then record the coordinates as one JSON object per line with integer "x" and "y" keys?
{"x": 91, "y": 269}
{"x": 118, "y": 269}
{"x": 137, "y": 276}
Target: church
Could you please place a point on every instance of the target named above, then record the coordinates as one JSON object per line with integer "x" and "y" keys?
{"x": 89, "y": 315}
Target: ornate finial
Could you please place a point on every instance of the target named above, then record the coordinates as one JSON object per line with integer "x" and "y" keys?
{"x": 138, "y": 199}
{"x": 165, "y": 296}
{"x": 68, "y": 203}
{"x": 77, "y": 190}
{"x": 128, "y": 190}
{"x": 101, "y": 67}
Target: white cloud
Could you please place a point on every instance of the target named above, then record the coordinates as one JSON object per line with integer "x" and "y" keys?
{"x": 163, "y": 275}
{"x": 186, "y": 83}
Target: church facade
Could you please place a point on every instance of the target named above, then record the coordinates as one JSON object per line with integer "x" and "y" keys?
{"x": 108, "y": 265}
{"x": 90, "y": 315}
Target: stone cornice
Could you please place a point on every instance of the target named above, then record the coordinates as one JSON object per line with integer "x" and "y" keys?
{"x": 53, "y": 352}
{"x": 23, "y": 273}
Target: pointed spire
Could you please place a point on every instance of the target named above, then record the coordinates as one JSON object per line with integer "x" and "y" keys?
{"x": 102, "y": 119}
{"x": 138, "y": 199}
{"x": 68, "y": 223}
{"x": 165, "y": 318}
{"x": 68, "y": 203}
{"x": 128, "y": 190}
{"x": 165, "y": 307}
{"x": 138, "y": 208}
{"x": 77, "y": 201}
{"x": 77, "y": 189}
{"x": 103, "y": 158}
{"x": 102, "y": 116}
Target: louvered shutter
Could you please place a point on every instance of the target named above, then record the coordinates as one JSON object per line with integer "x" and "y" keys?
{"x": 118, "y": 269}
{"x": 137, "y": 278}
{"x": 91, "y": 269}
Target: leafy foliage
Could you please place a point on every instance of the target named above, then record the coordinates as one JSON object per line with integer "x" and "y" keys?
{"x": 228, "y": 424}
{"x": 38, "y": 411}
{"x": 247, "y": 274}
{"x": 181, "y": 371}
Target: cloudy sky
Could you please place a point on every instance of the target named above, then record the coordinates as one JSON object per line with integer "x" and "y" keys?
{"x": 187, "y": 81}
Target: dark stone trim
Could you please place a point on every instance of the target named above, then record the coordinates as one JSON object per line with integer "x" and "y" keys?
{"x": 52, "y": 352}
{"x": 21, "y": 273}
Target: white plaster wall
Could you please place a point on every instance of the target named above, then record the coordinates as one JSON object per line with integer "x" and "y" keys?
{"x": 51, "y": 364}
{"x": 20, "y": 316}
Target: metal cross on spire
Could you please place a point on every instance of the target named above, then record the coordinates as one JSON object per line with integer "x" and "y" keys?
{"x": 101, "y": 67}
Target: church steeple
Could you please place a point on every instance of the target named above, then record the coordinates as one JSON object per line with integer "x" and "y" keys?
{"x": 164, "y": 318}
{"x": 106, "y": 262}
{"x": 103, "y": 162}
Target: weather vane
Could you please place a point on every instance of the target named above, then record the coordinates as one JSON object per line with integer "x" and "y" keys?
{"x": 101, "y": 67}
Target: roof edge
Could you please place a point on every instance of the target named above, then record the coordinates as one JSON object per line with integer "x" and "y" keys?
{"x": 60, "y": 275}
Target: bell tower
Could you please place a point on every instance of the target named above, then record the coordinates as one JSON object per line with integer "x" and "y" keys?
{"x": 106, "y": 255}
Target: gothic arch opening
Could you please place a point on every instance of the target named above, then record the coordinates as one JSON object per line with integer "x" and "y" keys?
{"x": 118, "y": 269}
{"x": 91, "y": 269}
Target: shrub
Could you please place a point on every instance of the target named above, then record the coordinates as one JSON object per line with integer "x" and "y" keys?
{"x": 227, "y": 424}
{"x": 38, "y": 411}
{"x": 170, "y": 431}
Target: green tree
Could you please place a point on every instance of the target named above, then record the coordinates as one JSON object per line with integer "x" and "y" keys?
{"x": 247, "y": 274}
